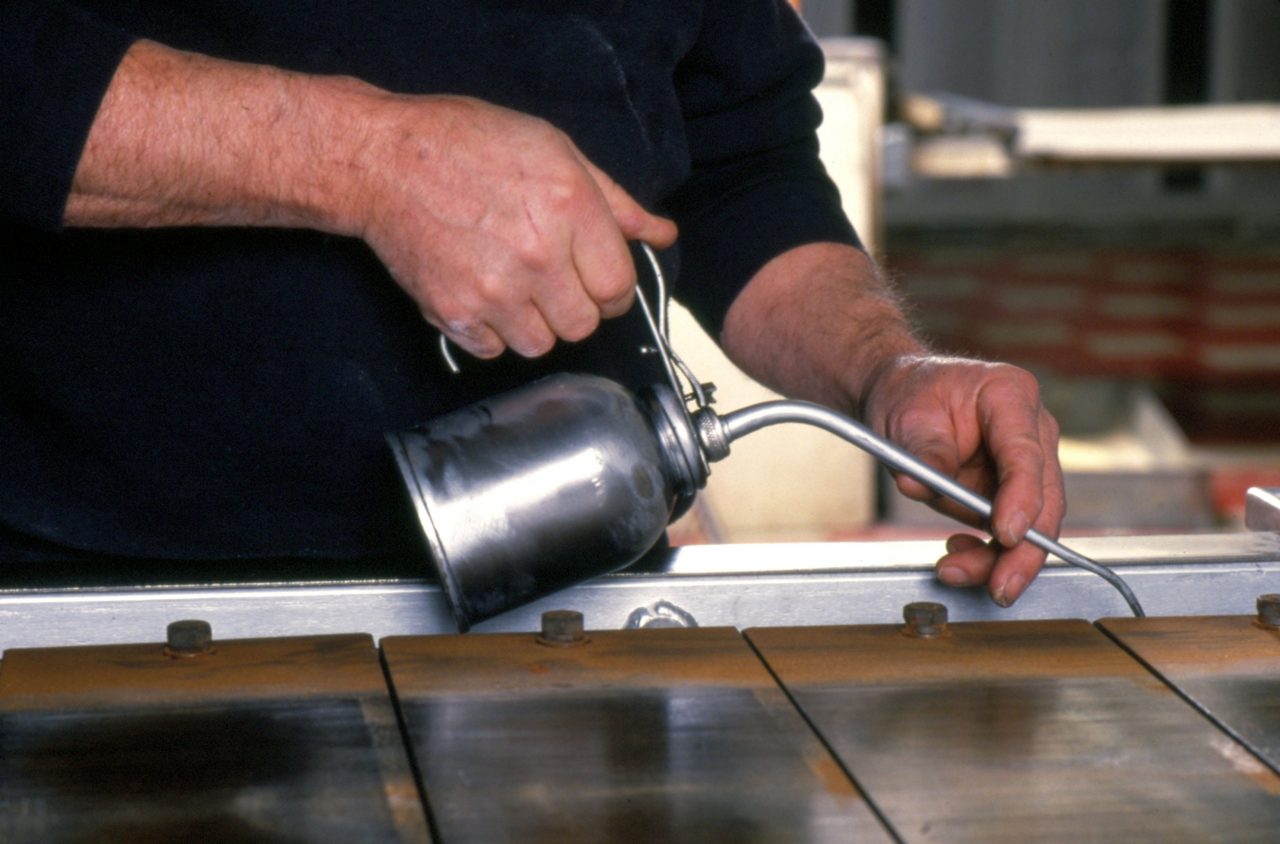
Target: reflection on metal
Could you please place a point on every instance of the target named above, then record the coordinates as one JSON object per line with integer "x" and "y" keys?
{"x": 288, "y": 739}
{"x": 1021, "y": 731}
{"x": 651, "y": 735}
{"x": 1262, "y": 509}
{"x": 659, "y": 614}
{"x": 1228, "y": 666}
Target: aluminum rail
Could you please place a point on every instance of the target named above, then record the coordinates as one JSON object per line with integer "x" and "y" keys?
{"x": 761, "y": 585}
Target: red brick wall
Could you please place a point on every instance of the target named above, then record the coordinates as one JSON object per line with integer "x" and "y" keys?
{"x": 1201, "y": 325}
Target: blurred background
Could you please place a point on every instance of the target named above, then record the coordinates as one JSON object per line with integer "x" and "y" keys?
{"x": 1087, "y": 188}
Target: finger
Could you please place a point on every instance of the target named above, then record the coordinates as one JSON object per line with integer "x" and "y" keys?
{"x": 571, "y": 314}
{"x": 932, "y": 443}
{"x": 476, "y": 339}
{"x": 605, "y": 270}
{"x": 1016, "y": 567}
{"x": 632, "y": 219}
{"x": 525, "y": 331}
{"x": 916, "y": 491}
{"x": 1012, "y": 431}
{"x": 1013, "y": 572}
{"x": 968, "y": 561}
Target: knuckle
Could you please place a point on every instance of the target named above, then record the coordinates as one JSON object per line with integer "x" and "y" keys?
{"x": 535, "y": 346}
{"x": 535, "y": 253}
{"x": 492, "y": 290}
{"x": 474, "y": 337}
{"x": 1052, "y": 430}
{"x": 564, "y": 186}
{"x": 1018, "y": 380}
{"x": 581, "y": 326}
{"x": 618, "y": 286}
{"x": 613, "y": 289}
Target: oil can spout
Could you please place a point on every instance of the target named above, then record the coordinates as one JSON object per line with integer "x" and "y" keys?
{"x": 715, "y": 433}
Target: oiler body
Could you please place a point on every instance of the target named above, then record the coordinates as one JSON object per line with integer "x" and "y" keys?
{"x": 543, "y": 487}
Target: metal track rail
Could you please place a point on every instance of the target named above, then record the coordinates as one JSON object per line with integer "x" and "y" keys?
{"x": 732, "y": 585}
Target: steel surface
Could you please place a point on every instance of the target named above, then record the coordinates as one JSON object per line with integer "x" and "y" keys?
{"x": 736, "y": 585}
{"x": 647, "y": 735}
{"x": 1262, "y": 509}
{"x": 287, "y": 739}
{"x": 1228, "y": 666}
{"x": 1040, "y": 731}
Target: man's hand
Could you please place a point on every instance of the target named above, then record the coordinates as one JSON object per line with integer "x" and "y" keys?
{"x": 818, "y": 323}
{"x": 497, "y": 226}
{"x": 982, "y": 424}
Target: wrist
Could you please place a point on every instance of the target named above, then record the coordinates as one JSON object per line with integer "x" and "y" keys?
{"x": 877, "y": 379}
{"x": 819, "y": 323}
{"x": 326, "y": 180}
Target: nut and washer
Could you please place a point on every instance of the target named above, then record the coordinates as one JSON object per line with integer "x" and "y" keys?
{"x": 1269, "y": 611}
{"x": 562, "y": 629}
{"x": 188, "y": 638}
{"x": 924, "y": 620}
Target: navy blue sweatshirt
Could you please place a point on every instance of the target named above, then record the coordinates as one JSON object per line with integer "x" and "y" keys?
{"x": 222, "y": 393}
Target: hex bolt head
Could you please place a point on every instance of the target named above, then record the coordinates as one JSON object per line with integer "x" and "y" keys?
{"x": 188, "y": 638}
{"x": 1269, "y": 611}
{"x": 562, "y": 629}
{"x": 924, "y": 619}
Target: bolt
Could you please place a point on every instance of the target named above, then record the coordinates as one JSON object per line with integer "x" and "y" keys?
{"x": 562, "y": 629}
{"x": 189, "y": 638}
{"x": 924, "y": 620}
{"x": 1269, "y": 611}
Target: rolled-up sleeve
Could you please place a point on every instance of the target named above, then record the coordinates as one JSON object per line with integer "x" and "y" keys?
{"x": 757, "y": 187}
{"x": 56, "y": 62}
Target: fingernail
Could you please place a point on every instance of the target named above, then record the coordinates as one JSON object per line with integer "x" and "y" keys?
{"x": 953, "y": 576}
{"x": 1008, "y": 593}
{"x": 1016, "y": 529}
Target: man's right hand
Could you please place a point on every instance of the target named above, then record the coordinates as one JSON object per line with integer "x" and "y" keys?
{"x": 496, "y": 225}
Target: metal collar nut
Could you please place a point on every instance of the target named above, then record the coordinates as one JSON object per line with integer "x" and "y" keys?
{"x": 188, "y": 639}
{"x": 924, "y": 620}
{"x": 1269, "y": 611}
{"x": 562, "y": 629}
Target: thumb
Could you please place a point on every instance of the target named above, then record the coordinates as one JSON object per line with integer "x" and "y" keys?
{"x": 633, "y": 220}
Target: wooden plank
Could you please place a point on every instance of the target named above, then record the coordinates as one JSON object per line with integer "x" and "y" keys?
{"x": 284, "y": 739}
{"x": 645, "y": 735}
{"x": 1016, "y": 731}
{"x": 1228, "y": 666}
{"x": 1246, "y": 133}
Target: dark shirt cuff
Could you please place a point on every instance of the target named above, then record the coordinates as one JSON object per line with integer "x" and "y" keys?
{"x": 56, "y": 61}
{"x": 790, "y": 203}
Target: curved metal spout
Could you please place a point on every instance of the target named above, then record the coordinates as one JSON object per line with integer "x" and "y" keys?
{"x": 739, "y": 423}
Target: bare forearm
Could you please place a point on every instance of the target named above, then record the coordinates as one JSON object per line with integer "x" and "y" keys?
{"x": 818, "y": 323}
{"x": 492, "y": 221}
{"x": 183, "y": 139}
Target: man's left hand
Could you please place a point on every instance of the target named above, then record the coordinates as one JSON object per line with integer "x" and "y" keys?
{"x": 984, "y": 425}
{"x": 819, "y": 323}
